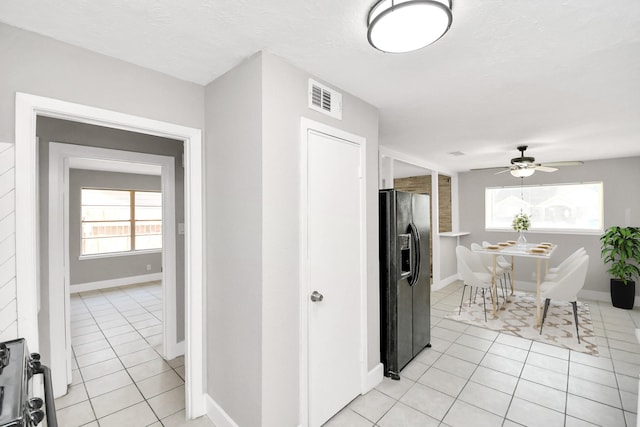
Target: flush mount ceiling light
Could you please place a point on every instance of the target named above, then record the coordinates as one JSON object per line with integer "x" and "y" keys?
{"x": 399, "y": 26}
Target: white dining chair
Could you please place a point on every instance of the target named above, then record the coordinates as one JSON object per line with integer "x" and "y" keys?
{"x": 566, "y": 288}
{"x": 565, "y": 270}
{"x": 487, "y": 261}
{"x": 566, "y": 263}
{"x": 474, "y": 274}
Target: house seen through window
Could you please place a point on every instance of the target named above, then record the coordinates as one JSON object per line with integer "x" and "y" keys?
{"x": 120, "y": 221}
{"x": 553, "y": 208}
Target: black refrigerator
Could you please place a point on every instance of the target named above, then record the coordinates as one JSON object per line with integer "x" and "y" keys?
{"x": 405, "y": 278}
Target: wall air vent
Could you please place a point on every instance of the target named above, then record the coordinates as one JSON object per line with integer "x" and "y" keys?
{"x": 325, "y": 100}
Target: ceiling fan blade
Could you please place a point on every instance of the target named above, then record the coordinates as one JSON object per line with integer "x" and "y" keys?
{"x": 487, "y": 169}
{"x": 503, "y": 171}
{"x": 554, "y": 164}
{"x": 543, "y": 168}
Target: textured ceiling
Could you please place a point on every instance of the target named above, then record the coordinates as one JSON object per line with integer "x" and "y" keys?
{"x": 560, "y": 76}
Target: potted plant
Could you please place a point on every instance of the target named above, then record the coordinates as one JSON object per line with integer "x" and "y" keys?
{"x": 521, "y": 223}
{"x": 621, "y": 248}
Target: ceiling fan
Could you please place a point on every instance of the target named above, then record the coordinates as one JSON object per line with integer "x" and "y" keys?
{"x": 524, "y": 166}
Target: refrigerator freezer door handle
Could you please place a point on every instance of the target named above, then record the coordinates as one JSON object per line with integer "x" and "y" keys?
{"x": 416, "y": 250}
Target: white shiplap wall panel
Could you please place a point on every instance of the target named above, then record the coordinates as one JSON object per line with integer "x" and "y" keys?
{"x": 7, "y": 226}
{"x": 7, "y": 157}
{"x": 8, "y": 272}
{"x": 8, "y": 304}
{"x": 7, "y": 293}
{"x": 7, "y": 248}
{"x": 7, "y": 183}
{"x": 7, "y": 204}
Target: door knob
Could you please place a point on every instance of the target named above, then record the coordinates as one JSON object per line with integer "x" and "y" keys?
{"x": 316, "y": 296}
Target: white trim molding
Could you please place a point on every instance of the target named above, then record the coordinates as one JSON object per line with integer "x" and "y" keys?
{"x": 436, "y": 286}
{"x": 416, "y": 161}
{"x": 217, "y": 415}
{"x": 28, "y": 107}
{"x": 114, "y": 283}
{"x": 373, "y": 378}
{"x": 61, "y": 156}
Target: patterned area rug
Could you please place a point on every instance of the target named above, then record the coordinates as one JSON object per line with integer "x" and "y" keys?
{"x": 518, "y": 317}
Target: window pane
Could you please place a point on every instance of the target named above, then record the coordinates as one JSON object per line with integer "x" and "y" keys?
{"x": 106, "y": 220}
{"x": 106, "y": 245}
{"x": 148, "y": 235}
{"x": 571, "y": 207}
{"x": 105, "y": 213}
{"x": 148, "y": 198}
{"x": 143, "y": 212}
{"x": 152, "y": 241}
{"x": 148, "y": 227}
{"x": 106, "y": 229}
{"x": 105, "y": 197}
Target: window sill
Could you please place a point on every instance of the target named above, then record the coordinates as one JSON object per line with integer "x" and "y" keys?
{"x": 574, "y": 232}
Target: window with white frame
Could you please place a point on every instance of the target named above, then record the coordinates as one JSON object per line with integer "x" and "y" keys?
{"x": 120, "y": 221}
{"x": 553, "y": 208}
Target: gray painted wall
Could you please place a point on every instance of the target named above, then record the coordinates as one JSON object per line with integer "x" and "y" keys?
{"x": 448, "y": 264}
{"x": 253, "y": 128}
{"x": 284, "y": 100}
{"x": 233, "y": 147}
{"x": 619, "y": 177}
{"x": 42, "y": 66}
{"x": 112, "y": 267}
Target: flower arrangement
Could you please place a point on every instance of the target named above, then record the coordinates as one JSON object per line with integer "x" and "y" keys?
{"x": 521, "y": 222}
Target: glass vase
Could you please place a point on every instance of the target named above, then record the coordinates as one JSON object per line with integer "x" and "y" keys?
{"x": 522, "y": 240}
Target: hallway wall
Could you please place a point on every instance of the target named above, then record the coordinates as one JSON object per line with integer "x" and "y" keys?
{"x": 42, "y": 66}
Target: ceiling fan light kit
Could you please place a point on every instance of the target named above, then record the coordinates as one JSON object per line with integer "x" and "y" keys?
{"x": 522, "y": 172}
{"x": 399, "y": 26}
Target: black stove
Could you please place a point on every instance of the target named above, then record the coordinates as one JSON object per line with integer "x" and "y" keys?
{"x": 18, "y": 406}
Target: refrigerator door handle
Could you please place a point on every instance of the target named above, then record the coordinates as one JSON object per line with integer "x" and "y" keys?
{"x": 416, "y": 251}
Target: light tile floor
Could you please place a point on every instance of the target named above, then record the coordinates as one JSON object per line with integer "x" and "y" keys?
{"x": 119, "y": 377}
{"x": 477, "y": 377}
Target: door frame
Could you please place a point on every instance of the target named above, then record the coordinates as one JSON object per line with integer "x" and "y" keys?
{"x": 307, "y": 125}
{"x": 62, "y": 157}
{"x": 28, "y": 107}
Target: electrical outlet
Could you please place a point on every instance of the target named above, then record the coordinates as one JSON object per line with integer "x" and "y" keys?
{"x": 148, "y": 267}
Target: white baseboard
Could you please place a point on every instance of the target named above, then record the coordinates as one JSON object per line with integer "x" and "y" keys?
{"x": 584, "y": 294}
{"x": 444, "y": 282}
{"x": 601, "y": 296}
{"x": 175, "y": 350}
{"x": 113, "y": 283}
{"x": 595, "y": 295}
{"x": 217, "y": 415}
{"x": 373, "y": 378}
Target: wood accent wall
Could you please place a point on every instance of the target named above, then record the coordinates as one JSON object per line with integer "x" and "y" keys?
{"x": 422, "y": 185}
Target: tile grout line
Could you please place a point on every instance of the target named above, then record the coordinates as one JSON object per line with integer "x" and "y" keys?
{"x": 142, "y": 305}
{"x": 145, "y": 400}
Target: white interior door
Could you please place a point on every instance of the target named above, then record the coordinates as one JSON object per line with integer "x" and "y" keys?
{"x": 334, "y": 245}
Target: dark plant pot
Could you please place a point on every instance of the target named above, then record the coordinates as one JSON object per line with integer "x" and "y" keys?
{"x": 622, "y": 296}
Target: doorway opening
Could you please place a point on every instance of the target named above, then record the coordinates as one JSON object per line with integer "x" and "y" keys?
{"x": 28, "y": 108}
{"x": 67, "y": 267}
